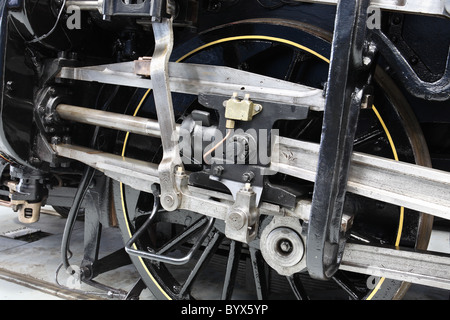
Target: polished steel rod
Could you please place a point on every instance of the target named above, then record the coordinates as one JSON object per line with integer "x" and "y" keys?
{"x": 105, "y": 119}
{"x": 415, "y": 187}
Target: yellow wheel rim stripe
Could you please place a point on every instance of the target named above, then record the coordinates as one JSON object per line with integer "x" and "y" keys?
{"x": 264, "y": 38}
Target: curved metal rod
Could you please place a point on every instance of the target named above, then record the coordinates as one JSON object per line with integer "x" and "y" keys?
{"x": 160, "y": 257}
{"x": 437, "y": 91}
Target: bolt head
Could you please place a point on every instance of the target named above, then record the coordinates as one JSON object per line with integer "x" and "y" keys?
{"x": 236, "y": 219}
{"x": 285, "y": 246}
{"x": 217, "y": 171}
{"x": 168, "y": 200}
{"x": 55, "y": 140}
{"x": 248, "y": 176}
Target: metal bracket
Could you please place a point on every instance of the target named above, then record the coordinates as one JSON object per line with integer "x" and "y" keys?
{"x": 241, "y": 223}
{"x": 159, "y": 72}
{"x": 246, "y": 159}
{"x": 155, "y": 9}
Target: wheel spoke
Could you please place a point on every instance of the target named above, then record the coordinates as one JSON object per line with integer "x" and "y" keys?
{"x": 231, "y": 271}
{"x": 191, "y": 230}
{"x": 341, "y": 279}
{"x": 297, "y": 287}
{"x": 367, "y": 137}
{"x": 206, "y": 256}
{"x": 297, "y": 58}
{"x": 259, "y": 273}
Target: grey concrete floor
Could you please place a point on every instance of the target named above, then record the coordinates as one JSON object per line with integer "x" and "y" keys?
{"x": 28, "y": 268}
{"x": 39, "y": 259}
{"x": 13, "y": 291}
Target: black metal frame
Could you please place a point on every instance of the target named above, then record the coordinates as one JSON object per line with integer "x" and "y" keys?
{"x": 149, "y": 8}
{"x": 353, "y": 50}
{"x": 347, "y": 81}
{"x": 96, "y": 208}
{"x": 235, "y": 170}
{"x": 434, "y": 91}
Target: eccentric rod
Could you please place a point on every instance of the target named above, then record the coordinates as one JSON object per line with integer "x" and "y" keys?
{"x": 111, "y": 120}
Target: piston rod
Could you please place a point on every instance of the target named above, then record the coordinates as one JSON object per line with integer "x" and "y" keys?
{"x": 111, "y": 120}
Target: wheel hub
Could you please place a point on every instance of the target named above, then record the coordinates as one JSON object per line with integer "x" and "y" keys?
{"x": 285, "y": 245}
{"x": 282, "y": 245}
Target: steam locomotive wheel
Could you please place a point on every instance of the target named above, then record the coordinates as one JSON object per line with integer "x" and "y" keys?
{"x": 225, "y": 269}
